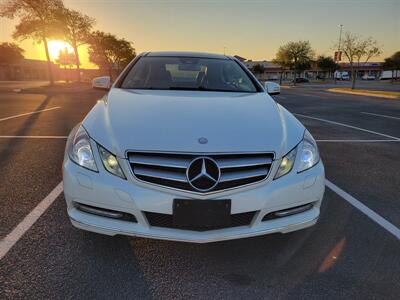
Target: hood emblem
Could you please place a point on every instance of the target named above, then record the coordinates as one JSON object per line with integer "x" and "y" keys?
{"x": 203, "y": 174}
{"x": 202, "y": 140}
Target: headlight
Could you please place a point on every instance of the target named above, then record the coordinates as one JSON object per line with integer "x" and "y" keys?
{"x": 309, "y": 155}
{"x": 287, "y": 163}
{"x": 110, "y": 162}
{"x": 80, "y": 150}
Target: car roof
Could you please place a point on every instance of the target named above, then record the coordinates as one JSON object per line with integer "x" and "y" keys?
{"x": 186, "y": 54}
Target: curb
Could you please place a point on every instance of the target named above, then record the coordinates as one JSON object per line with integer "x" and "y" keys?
{"x": 360, "y": 93}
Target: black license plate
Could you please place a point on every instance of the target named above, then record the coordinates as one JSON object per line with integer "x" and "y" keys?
{"x": 201, "y": 214}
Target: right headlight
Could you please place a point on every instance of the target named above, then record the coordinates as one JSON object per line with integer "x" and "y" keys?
{"x": 309, "y": 156}
{"x": 80, "y": 150}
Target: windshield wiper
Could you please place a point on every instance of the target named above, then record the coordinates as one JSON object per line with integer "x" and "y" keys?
{"x": 182, "y": 88}
{"x": 200, "y": 88}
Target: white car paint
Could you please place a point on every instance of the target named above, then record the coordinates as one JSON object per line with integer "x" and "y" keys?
{"x": 103, "y": 82}
{"x": 175, "y": 121}
{"x": 272, "y": 88}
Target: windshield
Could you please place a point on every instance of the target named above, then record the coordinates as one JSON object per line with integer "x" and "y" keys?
{"x": 188, "y": 73}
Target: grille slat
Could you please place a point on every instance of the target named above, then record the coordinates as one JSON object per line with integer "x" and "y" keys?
{"x": 169, "y": 169}
{"x": 165, "y": 220}
{"x": 243, "y": 174}
{"x": 170, "y": 162}
{"x": 228, "y": 163}
{"x": 165, "y": 174}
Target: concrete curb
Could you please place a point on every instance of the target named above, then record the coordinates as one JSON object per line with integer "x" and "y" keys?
{"x": 360, "y": 93}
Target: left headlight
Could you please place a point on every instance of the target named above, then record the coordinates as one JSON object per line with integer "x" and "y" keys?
{"x": 309, "y": 155}
{"x": 110, "y": 162}
{"x": 80, "y": 150}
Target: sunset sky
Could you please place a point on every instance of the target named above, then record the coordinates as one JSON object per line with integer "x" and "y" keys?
{"x": 252, "y": 29}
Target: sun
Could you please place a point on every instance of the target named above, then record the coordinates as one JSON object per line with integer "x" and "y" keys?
{"x": 55, "y": 46}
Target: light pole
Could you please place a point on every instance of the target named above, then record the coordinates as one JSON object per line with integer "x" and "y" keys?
{"x": 340, "y": 37}
{"x": 338, "y": 56}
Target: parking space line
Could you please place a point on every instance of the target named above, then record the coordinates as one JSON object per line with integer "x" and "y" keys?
{"x": 378, "y": 115}
{"x": 29, "y": 113}
{"x": 13, "y": 237}
{"x": 358, "y": 141}
{"x": 33, "y": 136}
{"x": 364, "y": 209}
{"x": 348, "y": 126}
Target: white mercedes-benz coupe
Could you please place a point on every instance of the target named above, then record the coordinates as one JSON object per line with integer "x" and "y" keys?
{"x": 190, "y": 147}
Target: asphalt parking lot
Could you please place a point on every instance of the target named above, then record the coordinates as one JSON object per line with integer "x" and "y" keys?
{"x": 352, "y": 252}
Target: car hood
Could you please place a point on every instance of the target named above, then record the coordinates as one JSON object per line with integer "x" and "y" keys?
{"x": 174, "y": 121}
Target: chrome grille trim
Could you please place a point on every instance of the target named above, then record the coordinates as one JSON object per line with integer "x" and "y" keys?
{"x": 169, "y": 169}
{"x": 243, "y": 174}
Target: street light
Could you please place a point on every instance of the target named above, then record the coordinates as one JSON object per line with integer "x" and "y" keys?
{"x": 338, "y": 55}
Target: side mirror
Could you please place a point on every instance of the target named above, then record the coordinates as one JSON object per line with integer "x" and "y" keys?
{"x": 103, "y": 82}
{"x": 272, "y": 88}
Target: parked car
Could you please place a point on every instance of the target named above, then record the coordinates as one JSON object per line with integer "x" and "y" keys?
{"x": 345, "y": 76}
{"x": 321, "y": 77}
{"x": 301, "y": 80}
{"x": 190, "y": 147}
{"x": 341, "y": 75}
{"x": 388, "y": 75}
{"x": 368, "y": 77}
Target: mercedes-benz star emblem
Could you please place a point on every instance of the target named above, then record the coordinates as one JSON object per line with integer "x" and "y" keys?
{"x": 203, "y": 140}
{"x": 203, "y": 174}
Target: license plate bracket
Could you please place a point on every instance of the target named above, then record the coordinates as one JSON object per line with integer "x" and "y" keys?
{"x": 201, "y": 214}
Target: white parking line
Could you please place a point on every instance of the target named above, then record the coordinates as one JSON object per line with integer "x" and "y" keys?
{"x": 364, "y": 209}
{"x": 358, "y": 141}
{"x": 33, "y": 137}
{"x": 378, "y": 115}
{"x": 13, "y": 237}
{"x": 348, "y": 126}
{"x": 29, "y": 113}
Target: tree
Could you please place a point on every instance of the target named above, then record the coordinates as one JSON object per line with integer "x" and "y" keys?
{"x": 389, "y": 64}
{"x": 258, "y": 69}
{"x": 327, "y": 64}
{"x": 355, "y": 48}
{"x": 296, "y": 56}
{"x": 38, "y": 21}
{"x": 77, "y": 28}
{"x": 65, "y": 59}
{"x": 392, "y": 63}
{"x": 109, "y": 52}
{"x": 10, "y": 53}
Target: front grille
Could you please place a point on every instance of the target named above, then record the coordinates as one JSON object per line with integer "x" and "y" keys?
{"x": 165, "y": 220}
{"x": 169, "y": 169}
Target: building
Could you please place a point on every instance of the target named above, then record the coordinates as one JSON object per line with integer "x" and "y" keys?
{"x": 27, "y": 69}
{"x": 34, "y": 69}
{"x": 272, "y": 71}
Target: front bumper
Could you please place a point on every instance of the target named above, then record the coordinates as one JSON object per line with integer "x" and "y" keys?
{"x": 104, "y": 190}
